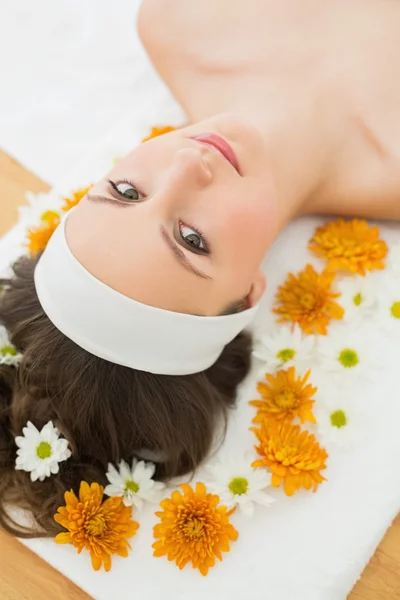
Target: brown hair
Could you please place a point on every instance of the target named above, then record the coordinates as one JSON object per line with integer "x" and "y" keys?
{"x": 106, "y": 412}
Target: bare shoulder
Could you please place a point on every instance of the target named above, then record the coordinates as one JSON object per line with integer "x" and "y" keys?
{"x": 158, "y": 24}
{"x": 147, "y": 18}
{"x": 155, "y": 21}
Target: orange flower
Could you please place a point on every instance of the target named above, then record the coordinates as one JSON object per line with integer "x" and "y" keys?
{"x": 100, "y": 527}
{"x": 156, "y": 131}
{"x": 307, "y": 299}
{"x": 193, "y": 528}
{"x": 293, "y": 456}
{"x": 285, "y": 397}
{"x": 349, "y": 246}
{"x": 75, "y": 198}
{"x": 37, "y": 237}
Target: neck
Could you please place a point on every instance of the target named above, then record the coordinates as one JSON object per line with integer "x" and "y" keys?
{"x": 298, "y": 140}
{"x": 300, "y": 130}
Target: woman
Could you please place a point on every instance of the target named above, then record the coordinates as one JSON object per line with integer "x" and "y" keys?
{"x": 131, "y": 322}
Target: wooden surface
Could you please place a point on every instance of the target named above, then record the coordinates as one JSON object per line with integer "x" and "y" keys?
{"x": 14, "y": 182}
{"x": 24, "y": 576}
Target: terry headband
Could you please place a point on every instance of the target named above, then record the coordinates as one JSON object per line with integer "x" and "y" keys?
{"x": 121, "y": 330}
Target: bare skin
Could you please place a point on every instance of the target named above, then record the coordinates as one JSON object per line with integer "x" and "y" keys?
{"x": 306, "y": 92}
{"x": 321, "y": 80}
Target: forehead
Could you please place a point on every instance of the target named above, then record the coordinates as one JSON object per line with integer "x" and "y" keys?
{"x": 125, "y": 250}
{"x": 154, "y": 149}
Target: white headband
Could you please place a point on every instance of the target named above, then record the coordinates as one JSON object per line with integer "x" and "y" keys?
{"x": 122, "y": 330}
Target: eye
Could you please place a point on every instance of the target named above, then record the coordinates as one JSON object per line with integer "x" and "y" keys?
{"x": 193, "y": 238}
{"x": 126, "y": 190}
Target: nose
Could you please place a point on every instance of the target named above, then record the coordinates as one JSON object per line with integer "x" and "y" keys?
{"x": 190, "y": 168}
{"x": 187, "y": 175}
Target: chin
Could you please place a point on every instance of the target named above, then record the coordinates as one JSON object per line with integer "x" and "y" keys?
{"x": 236, "y": 125}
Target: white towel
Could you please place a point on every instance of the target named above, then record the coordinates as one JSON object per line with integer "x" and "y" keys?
{"x": 308, "y": 547}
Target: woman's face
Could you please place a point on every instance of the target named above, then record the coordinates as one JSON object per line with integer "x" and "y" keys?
{"x": 176, "y": 225}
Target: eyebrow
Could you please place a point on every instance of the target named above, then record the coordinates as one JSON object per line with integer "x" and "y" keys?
{"x": 105, "y": 200}
{"x": 181, "y": 256}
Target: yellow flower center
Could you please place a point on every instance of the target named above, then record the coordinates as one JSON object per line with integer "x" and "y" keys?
{"x": 96, "y": 526}
{"x": 49, "y": 215}
{"x": 307, "y": 300}
{"x": 338, "y": 418}
{"x": 194, "y": 528}
{"x": 8, "y": 351}
{"x": 358, "y": 299}
{"x": 347, "y": 241}
{"x": 131, "y": 486}
{"x": 44, "y": 450}
{"x": 285, "y": 454}
{"x": 239, "y": 486}
{"x": 395, "y": 310}
{"x": 286, "y": 399}
{"x": 348, "y": 358}
{"x": 286, "y": 354}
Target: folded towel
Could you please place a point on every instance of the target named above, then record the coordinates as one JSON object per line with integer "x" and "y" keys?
{"x": 308, "y": 547}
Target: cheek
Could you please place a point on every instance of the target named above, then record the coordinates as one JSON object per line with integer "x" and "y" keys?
{"x": 248, "y": 227}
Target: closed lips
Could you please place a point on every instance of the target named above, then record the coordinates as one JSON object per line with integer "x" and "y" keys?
{"x": 222, "y": 146}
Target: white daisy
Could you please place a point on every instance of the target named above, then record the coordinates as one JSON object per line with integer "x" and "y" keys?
{"x": 349, "y": 355}
{"x": 40, "y": 452}
{"x": 285, "y": 347}
{"x": 388, "y": 313}
{"x": 358, "y": 297}
{"x": 340, "y": 422}
{"x": 134, "y": 484}
{"x": 238, "y": 484}
{"x": 9, "y": 355}
{"x": 34, "y": 213}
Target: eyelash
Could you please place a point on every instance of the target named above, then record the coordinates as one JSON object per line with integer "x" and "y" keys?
{"x": 114, "y": 184}
{"x": 206, "y": 250}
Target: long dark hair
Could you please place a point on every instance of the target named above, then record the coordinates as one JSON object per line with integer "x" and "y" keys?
{"x": 106, "y": 412}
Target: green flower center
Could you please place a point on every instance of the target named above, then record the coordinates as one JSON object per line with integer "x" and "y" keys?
{"x": 239, "y": 486}
{"x": 395, "y": 310}
{"x": 44, "y": 450}
{"x": 131, "y": 486}
{"x": 49, "y": 215}
{"x": 338, "y": 419}
{"x": 348, "y": 358}
{"x": 358, "y": 299}
{"x": 286, "y": 354}
{"x": 8, "y": 351}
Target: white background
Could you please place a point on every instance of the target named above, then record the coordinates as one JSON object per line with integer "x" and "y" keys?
{"x": 77, "y": 91}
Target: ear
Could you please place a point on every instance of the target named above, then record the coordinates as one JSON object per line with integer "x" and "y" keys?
{"x": 257, "y": 289}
